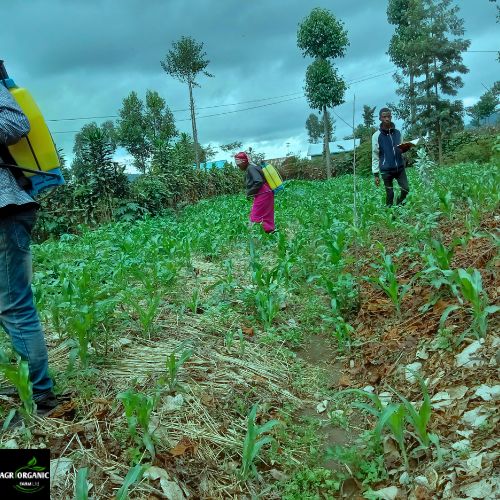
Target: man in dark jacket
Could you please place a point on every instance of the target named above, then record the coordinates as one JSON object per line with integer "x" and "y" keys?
{"x": 18, "y": 315}
{"x": 387, "y": 158}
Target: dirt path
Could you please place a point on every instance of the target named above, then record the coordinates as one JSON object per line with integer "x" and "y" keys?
{"x": 320, "y": 353}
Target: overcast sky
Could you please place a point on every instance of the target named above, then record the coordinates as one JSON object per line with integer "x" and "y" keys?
{"x": 80, "y": 58}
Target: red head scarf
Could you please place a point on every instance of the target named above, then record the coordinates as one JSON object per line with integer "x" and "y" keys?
{"x": 242, "y": 159}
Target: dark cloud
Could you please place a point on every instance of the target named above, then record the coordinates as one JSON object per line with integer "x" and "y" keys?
{"x": 80, "y": 58}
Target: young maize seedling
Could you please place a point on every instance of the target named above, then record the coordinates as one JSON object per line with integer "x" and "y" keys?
{"x": 471, "y": 287}
{"x": 334, "y": 245}
{"x": 146, "y": 311}
{"x": 390, "y": 415}
{"x": 194, "y": 301}
{"x": 388, "y": 281}
{"x": 173, "y": 365}
{"x": 138, "y": 409}
{"x": 446, "y": 203}
{"x": 420, "y": 419}
{"x": 267, "y": 304}
{"x": 253, "y": 443}
{"x": 81, "y": 324}
{"x": 18, "y": 375}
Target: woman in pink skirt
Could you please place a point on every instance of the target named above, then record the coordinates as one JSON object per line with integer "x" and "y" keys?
{"x": 257, "y": 188}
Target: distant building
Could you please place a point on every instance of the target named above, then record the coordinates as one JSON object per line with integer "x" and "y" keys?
{"x": 278, "y": 162}
{"x": 316, "y": 150}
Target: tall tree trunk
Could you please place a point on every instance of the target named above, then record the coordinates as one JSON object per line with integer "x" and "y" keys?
{"x": 193, "y": 123}
{"x": 326, "y": 144}
{"x": 413, "y": 107}
{"x": 439, "y": 131}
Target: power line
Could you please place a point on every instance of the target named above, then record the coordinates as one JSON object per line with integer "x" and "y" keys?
{"x": 178, "y": 110}
{"x": 368, "y": 77}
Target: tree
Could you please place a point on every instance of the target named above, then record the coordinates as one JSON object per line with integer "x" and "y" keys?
{"x": 145, "y": 130}
{"x": 315, "y": 128}
{"x": 365, "y": 130}
{"x": 324, "y": 89}
{"x": 407, "y": 16}
{"x": 185, "y": 61}
{"x": 429, "y": 51}
{"x": 231, "y": 147}
{"x": 369, "y": 116}
{"x": 96, "y": 177}
{"x": 486, "y": 106}
{"x": 323, "y": 37}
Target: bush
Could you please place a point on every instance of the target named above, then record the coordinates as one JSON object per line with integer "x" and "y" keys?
{"x": 315, "y": 169}
{"x": 473, "y": 145}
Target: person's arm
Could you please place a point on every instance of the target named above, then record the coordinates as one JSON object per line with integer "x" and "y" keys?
{"x": 375, "y": 158}
{"x": 13, "y": 122}
{"x": 255, "y": 179}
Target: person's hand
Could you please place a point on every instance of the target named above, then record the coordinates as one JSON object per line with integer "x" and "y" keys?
{"x": 405, "y": 146}
{"x": 377, "y": 181}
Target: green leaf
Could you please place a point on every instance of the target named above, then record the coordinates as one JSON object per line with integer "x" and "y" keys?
{"x": 9, "y": 418}
{"x": 81, "y": 485}
{"x": 446, "y": 313}
{"x": 134, "y": 475}
{"x": 267, "y": 426}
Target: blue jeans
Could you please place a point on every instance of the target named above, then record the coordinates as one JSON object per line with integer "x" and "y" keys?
{"x": 18, "y": 315}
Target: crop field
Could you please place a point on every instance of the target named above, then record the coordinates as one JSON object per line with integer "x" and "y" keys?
{"x": 352, "y": 354}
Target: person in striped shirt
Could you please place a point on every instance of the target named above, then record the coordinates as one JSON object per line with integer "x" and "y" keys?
{"x": 18, "y": 315}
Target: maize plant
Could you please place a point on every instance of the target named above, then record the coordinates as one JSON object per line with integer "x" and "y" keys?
{"x": 446, "y": 203}
{"x": 138, "y": 409}
{"x": 254, "y": 442}
{"x": 470, "y": 285}
{"x": 333, "y": 245}
{"x": 18, "y": 375}
{"x": 146, "y": 311}
{"x": 173, "y": 365}
{"x": 387, "y": 281}
{"x": 395, "y": 416}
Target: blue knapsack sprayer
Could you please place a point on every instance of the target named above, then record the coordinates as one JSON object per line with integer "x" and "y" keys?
{"x": 35, "y": 154}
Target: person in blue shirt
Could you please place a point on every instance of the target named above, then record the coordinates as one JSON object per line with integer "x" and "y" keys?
{"x": 387, "y": 158}
{"x": 18, "y": 315}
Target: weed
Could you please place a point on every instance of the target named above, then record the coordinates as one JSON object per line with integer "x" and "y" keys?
{"x": 312, "y": 483}
{"x": 365, "y": 460}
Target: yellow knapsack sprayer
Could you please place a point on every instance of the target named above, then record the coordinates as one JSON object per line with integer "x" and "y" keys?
{"x": 35, "y": 155}
{"x": 273, "y": 178}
